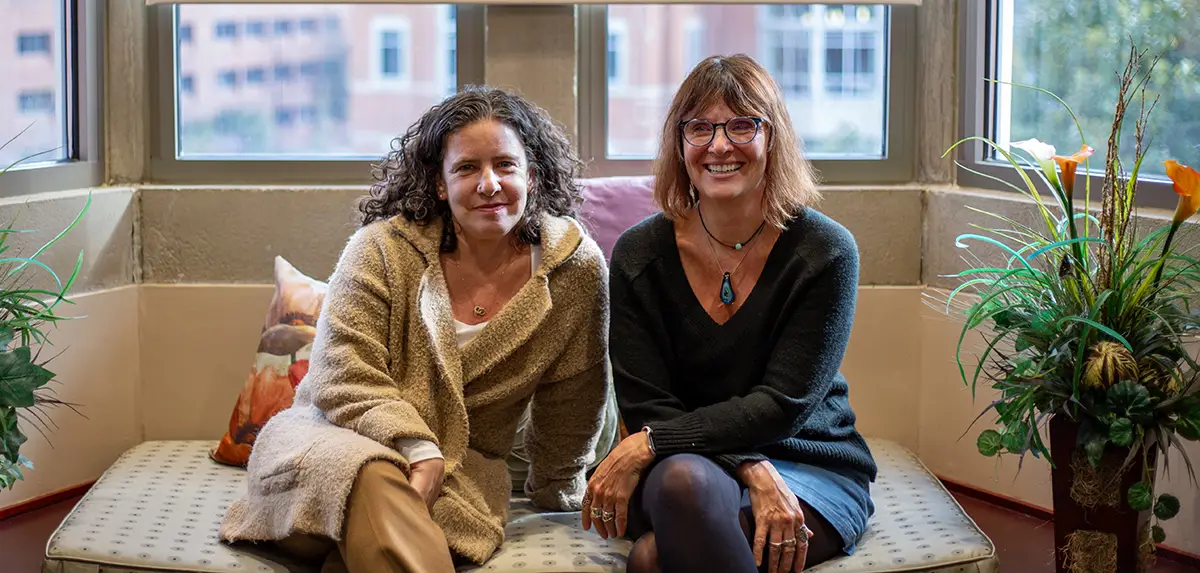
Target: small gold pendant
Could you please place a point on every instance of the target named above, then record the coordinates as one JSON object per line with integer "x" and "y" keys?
{"x": 479, "y": 311}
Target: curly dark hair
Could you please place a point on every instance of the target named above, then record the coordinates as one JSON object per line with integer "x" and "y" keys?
{"x": 407, "y": 178}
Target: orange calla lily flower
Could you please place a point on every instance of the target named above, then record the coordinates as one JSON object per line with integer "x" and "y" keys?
{"x": 1067, "y": 165}
{"x": 1187, "y": 186}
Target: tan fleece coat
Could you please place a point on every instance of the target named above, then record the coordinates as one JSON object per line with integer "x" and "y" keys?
{"x": 385, "y": 365}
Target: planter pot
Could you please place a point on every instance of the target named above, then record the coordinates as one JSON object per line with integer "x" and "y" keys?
{"x": 1095, "y": 531}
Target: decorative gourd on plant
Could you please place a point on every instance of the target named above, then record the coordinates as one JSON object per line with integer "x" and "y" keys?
{"x": 25, "y": 314}
{"x": 1087, "y": 319}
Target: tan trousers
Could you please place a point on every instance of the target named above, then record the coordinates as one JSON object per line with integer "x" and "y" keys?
{"x": 388, "y": 529}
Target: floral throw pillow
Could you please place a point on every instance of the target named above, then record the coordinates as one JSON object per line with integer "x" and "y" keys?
{"x": 280, "y": 363}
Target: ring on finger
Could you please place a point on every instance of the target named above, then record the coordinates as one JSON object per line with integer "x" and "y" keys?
{"x": 804, "y": 533}
{"x": 607, "y": 516}
{"x": 596, "y": 513}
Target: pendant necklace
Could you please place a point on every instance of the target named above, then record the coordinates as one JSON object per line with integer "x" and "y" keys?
{"x": 479, "y": 310}
{"x": 727, "y": 294}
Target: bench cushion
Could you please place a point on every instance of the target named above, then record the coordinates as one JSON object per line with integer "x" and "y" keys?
{"x": 159, "y": 506}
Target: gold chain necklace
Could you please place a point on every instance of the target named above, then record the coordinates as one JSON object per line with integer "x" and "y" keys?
{"x": 479, "y": 310}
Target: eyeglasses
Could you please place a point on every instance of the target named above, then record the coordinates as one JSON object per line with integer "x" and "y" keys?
{"x": 739, "y": 130}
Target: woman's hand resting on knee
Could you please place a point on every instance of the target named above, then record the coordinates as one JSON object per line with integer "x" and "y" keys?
{"x": 606, "y": 503}
{"x": 778, "y": 518}
{"x": 427, "y": 478}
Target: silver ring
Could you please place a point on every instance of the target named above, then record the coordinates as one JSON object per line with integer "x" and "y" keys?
{"x": 596, "y": 513}
{"x": 607, "y": 516}
{"x": 804, "y": 533}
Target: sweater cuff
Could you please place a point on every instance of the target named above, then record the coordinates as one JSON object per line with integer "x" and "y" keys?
{"x": 416, "y": 450}
{"x": 680, "y": 435}
{"x": 731, "y": 462}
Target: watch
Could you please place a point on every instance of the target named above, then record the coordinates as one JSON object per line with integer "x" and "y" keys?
{"x": 650, "y": 440}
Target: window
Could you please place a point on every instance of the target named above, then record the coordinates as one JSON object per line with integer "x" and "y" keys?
{"x": 451, "y": 49}
{"x": 310, "y": 70}
{"x": 32, "y": 93}
{"x": 185, "y": 34}
{"x": 788, "y": 50}
{"x": 285, "y": 116}
{"x": 283, "y": 73}
{"x": 390, "y": 54}
{"x": 38, "y": 43}
{"x": 694, "y": 42}
{"x": 329, "y": 82}
{"x": 187, "y": 85}
{"x": 1076, "y": 52}
{"x": 853, "y": 41}
{"x": 829, "y": 61}
{"x": 226, "y": 30}
{"x": 49, "y": 114}
{"x": 850, "y": 63}
{"x": 38, "y": 102}
{"x": 615, "y": 59}
{"x": 308, "y": 114}
{"x": 227, "y": 79}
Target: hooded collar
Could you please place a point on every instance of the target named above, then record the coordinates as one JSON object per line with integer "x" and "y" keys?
{"x": 509, "y": 328}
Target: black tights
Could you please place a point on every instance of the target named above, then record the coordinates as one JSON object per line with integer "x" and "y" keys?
{"x": 687, "y": 516}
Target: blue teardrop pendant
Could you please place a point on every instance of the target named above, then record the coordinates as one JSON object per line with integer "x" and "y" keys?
{"x": 726, "y": 290}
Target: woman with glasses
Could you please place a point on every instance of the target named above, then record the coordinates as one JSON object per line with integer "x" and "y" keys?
{"x": 731, "y": 311}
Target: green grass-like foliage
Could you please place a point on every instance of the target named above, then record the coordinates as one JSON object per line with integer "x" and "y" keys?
{"x": 1087, "y": 318}
{"x": 25, "y": 315}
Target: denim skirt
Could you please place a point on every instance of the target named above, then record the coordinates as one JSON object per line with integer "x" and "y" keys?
{"x": 842, "y": 497}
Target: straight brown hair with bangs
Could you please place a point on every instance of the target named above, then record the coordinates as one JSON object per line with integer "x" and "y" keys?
{"x": 742, "y": 84}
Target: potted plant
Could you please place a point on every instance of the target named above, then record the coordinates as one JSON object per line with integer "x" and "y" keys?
{"x": 1085, "y": 324}
{"x": 25, "y": 313}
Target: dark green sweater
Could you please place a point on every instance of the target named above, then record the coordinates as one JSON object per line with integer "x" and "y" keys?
{"x": 763, "y": 385}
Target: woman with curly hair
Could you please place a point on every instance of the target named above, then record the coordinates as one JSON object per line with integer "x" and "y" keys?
{"x": 468, "y": 293}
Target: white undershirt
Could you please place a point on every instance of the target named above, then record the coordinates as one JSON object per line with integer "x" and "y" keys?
{"x": 415, "y": 450}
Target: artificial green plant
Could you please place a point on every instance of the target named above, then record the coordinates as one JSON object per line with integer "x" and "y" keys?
{"x": 1087, "y": 317}
{"x": 26, "y": 313}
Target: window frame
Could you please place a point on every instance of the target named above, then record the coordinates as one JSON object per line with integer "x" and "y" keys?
{"x": 166, "y": 168}
{"x": 897, "y": 166}
{"x": 81, "y": 86}
{"x": 978, "y": 59}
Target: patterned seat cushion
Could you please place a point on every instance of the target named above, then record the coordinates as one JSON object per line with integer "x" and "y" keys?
{"x": 158, "y": 508}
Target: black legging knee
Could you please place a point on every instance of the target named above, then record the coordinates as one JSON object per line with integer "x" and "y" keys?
{"x": 692, "y": 506}
{"x": 694, "y": 509}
